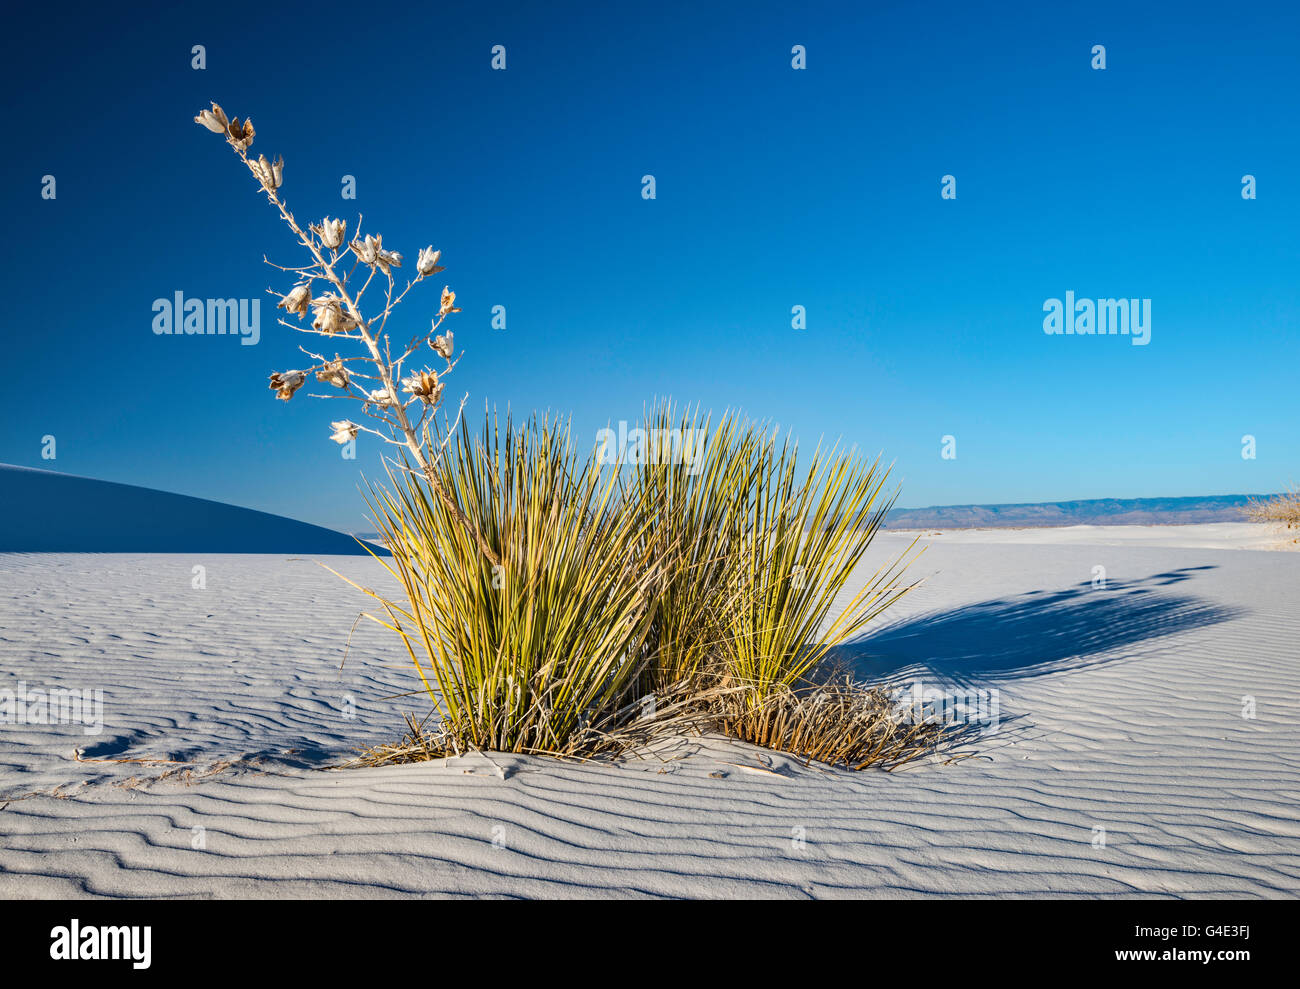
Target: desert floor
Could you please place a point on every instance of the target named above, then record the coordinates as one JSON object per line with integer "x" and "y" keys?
{"x": 1125, "y": 760}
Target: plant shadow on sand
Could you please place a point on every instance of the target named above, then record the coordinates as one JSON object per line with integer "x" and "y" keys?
{"x": 1035, "y": 633}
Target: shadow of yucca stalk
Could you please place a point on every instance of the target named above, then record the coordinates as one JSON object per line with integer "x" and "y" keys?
{"x": 661, "y": 598}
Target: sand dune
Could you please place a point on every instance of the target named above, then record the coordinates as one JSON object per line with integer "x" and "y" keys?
{"x": 1121, "y": 709}
{"x": 49, "y": 512}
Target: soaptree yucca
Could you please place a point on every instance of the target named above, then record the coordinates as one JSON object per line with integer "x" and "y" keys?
{"x": 542, "y": 654}
{"x": 754, "y": 558}
{"x": 549, "y": 603}
{"x": 803, "y": 535}
{"x": 693, "y": 509}
{"x": 754, "y": 553}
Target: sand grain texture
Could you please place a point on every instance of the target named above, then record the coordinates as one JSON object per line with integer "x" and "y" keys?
{"x": 1121, "y": 707}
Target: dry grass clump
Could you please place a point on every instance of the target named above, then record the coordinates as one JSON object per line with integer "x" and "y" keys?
{"x": 1283, "y": 509}
{"x": 686, "y": 708}
{"x": 840, "y": 723}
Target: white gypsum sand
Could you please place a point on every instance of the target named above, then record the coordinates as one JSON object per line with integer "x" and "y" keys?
{"x": 1200, "y": 535}
{"x": 1121, "y": 708}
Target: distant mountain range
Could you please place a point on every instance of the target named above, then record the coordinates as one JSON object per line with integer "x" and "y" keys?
{"x": 1096, "y": 511}
{"x": 45, "y": 512}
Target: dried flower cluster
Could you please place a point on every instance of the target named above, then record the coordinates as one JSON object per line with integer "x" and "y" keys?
{"x": 402, "y": 401}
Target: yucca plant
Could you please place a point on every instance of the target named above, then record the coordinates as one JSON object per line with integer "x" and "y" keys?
{"x": 754, "y": 556}
{"x": 544, "y": 596}
{"x": 709, "y": 583}
{"x": 543, "y": 652}
{"x": 803, "y": 535}
{"x": 752, "y": 552}
{"x": 694, "y": 511}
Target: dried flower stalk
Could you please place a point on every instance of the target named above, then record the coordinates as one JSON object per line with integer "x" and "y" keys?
{"x": 404, "y": 408}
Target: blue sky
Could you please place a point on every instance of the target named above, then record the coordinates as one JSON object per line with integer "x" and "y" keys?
{"x": 775, "y": 188}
